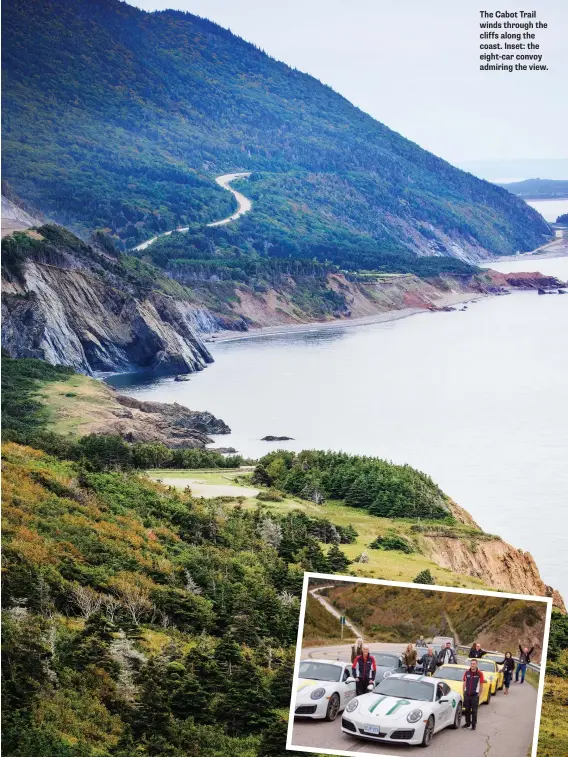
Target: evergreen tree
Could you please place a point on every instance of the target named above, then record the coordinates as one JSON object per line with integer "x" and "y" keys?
{"x": 424, "y": 577}
{"x": 336, "y": 560}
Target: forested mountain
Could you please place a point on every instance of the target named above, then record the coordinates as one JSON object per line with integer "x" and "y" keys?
{"x": 119, "y": 119}
{"x": 538, "y": 189}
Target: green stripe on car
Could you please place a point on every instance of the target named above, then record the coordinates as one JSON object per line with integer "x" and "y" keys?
{"x": 377, "y": 703}
{"x": 400, "y": 703}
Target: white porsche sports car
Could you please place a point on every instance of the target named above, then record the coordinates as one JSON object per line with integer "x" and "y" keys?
{"x": 407, "y": 709}
{"x": 323, "y": 689}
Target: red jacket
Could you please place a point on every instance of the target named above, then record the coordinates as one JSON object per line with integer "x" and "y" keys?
{"x": 365, "y": 670}
{"x": 473, "y": 682}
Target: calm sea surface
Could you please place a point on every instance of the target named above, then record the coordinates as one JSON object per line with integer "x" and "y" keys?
{"x": 550, "y": 209}
{"x": 477, "y": 399}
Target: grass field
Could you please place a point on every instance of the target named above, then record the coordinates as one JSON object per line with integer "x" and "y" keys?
{"x": 553, "y": 734}
{"x": 391, "y": 565}
{"x": 74, "y": 404}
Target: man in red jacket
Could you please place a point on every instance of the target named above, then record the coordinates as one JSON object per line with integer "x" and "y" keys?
{"x": 364, "y": 671}
{"x": 472, "y": 682}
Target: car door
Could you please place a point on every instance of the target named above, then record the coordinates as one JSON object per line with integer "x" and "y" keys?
{"x": 443, "y": 709}
{"x": 347, "y": 690}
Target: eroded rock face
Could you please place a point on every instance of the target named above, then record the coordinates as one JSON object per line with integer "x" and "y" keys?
{"x": 173, "y": 424}
{"x": 498, "y": 564}
{"x": 74, "y": 317}
{"x": 135, "y": 421}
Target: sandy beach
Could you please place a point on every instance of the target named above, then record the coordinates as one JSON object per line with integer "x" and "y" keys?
{"x": 449, "y": 300}
{"x": 558, "y": 248}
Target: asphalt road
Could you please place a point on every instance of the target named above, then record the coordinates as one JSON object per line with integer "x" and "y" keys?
{"x": 505, "y": 726}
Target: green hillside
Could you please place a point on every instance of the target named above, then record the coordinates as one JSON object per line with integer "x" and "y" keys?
{"x": 138, "y": 620}
{"x": 538, "y": 189}
{"x": 119, "y": 119}
{"x": 404, "y": 614}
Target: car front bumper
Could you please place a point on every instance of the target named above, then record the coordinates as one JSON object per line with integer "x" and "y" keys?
{"x": 311, "y": 708}
{"x": 410, "y": 733}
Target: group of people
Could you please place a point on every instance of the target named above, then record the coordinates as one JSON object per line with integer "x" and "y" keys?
{"x": 364, "y": 669}
{"x": 509, "y": 664}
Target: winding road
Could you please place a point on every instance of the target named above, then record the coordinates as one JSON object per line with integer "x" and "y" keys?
{"x": 243, "y": 206}
{"x": 505, "y": 726}
{"x": 331, "y": 609}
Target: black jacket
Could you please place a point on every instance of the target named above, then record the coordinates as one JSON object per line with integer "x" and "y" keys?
{"x": 475, "y": 654}
{"x": 442, "y": 654}
{"x": 525, "y": 658}
{"x": 508, "y": 664}
{"x": 429, "y": 664}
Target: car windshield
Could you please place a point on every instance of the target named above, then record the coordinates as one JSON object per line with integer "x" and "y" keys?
{"x": 449, "y": 674}
{"x": 494, "y": 657}
{"x": 405, "y": 688}
{"x": 320, "y": 671}
{"x": 387, "y": 660}
{"x": 487, "y": 665}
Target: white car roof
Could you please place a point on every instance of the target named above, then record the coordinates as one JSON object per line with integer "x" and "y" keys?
{"x": 328, "y": 662}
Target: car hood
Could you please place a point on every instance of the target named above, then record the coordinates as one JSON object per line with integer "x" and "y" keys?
{"x": 456, "y": 686}
{"x": 305, "y": 686}
{"x": 381, "y": 706}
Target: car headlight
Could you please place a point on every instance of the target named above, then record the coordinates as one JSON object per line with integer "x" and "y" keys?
{"x": 352, "y": 706}
{"x": 317, "y": 693}
{"x": 414, "y": 716}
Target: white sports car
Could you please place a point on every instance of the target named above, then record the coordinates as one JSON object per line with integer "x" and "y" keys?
{"x": 323, "y": 689}
{"x": 407, "y": 709}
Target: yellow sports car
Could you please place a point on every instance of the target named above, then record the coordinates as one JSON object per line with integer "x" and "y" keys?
{"x": 453, "y": 676}
{"x": 496, "y": 657}
{"x": 491, "y": 673}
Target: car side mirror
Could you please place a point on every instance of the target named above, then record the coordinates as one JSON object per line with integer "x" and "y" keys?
{"x": 350, "y": 680}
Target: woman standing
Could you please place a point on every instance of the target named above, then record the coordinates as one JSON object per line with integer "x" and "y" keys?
{"x": 508, "y": 668}
{"x": 409, "y": 658}
{"x": 356, "y": 649}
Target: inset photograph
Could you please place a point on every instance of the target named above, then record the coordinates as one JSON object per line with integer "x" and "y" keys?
{"x": 383, "y": 666}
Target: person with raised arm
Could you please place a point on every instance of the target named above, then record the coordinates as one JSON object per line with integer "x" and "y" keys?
{"x": 524, "y": 659}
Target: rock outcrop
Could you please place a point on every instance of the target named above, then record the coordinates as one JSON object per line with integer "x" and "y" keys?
{"x": 172, "y": 424}
{"x": 82, "y": 405}
{"x": 495, "y": 562}
{"x": 523, "y": 280}
{"x": 64, "y": 302}
{"x": 15, "y": 218}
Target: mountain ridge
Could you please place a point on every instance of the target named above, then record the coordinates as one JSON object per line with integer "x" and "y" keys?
{"x": 139, "y": 110}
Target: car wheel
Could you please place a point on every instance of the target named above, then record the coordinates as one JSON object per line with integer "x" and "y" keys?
{"x": 488, "y": 697}
{"x": 428, "y": 732}
{"x": 457, "y": 717}
{"x": 332, "y": 708}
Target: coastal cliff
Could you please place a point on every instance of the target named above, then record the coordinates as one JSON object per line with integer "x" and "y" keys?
{"x": 96, "y": 310}
{"x": 495, "y": 562}
{"x": 70, "y": 304}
